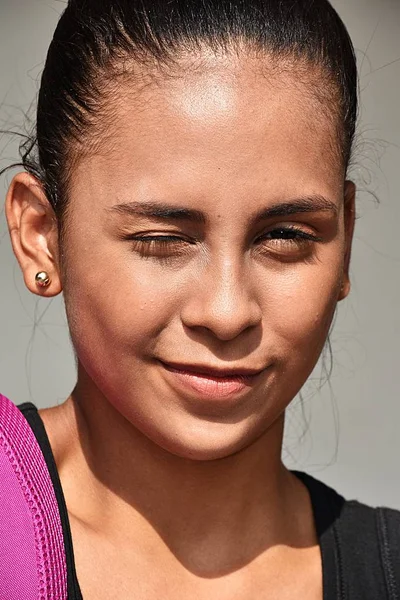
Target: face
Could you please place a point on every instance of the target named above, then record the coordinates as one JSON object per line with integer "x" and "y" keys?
{"x": 207, "y": 237}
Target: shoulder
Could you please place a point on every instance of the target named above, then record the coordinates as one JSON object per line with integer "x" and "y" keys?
{"x": 355, "y": 525}
{"x": 20, "y": 452}
{"x": 323, "y": 494}
{"x": 14, "y": 429}
{"x": 359, "y": 517}
{"x": 372, "y": 524}
{"x": 31, "y": 543}
{"x": 368, "y": 543}
{"x": 360, "y": 543}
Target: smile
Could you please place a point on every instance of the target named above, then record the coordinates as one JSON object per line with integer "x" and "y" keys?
{"x": 211, "y": 382}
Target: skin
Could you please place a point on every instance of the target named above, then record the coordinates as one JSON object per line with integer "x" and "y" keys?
{"x": 153, "y": 474}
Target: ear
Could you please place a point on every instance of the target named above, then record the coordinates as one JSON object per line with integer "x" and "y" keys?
{"x": 34, "y": 233}
{"x": 349, "y": 221}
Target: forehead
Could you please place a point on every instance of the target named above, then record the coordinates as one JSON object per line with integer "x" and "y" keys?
{"x": 228, "y": 119}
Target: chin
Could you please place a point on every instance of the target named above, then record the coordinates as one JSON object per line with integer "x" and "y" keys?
{"x": 206, "y": 442}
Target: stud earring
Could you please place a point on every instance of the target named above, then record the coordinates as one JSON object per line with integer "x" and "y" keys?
{"x": 42, "y": 279}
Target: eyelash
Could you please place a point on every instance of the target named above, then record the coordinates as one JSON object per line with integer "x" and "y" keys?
{"x": 285, "y": 237}
{"x": 148, "y": 243}
{"x": 298, "y": 235}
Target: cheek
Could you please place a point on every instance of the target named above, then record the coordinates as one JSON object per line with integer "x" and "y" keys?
{"x": 117, "y": 303}
{"x": 302, "y": 312}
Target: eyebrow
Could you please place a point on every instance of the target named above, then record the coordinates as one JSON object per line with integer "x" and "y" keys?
{"x": 161, "y": 210}
{"x": 308, "y": 204}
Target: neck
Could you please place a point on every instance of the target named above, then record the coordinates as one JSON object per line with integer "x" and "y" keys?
{"x": 237, "y": 504}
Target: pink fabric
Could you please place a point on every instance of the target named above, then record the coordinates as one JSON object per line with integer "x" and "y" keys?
{"x": 32, "y": 556}
{"x": 18, "y": 572}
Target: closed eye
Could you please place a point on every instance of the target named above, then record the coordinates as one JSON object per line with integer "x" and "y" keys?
{"x": 160, "y": 245}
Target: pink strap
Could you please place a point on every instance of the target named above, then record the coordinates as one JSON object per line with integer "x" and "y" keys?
{"x": 32, "y": 555}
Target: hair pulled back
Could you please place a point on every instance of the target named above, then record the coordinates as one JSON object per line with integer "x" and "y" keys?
{"x": 92, "y": 36}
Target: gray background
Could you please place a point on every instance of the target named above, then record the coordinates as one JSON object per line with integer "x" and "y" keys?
{"x": 352, "y": 437}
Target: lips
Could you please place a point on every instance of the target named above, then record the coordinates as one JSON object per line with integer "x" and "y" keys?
{"x": 210, "y": 382}
{"x": 213, "y": 372}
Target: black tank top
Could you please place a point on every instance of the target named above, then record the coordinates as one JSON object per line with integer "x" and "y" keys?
{"x": 360, "y": 545}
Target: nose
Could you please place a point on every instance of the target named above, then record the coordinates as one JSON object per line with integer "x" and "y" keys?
{"x": 222, "y": 301}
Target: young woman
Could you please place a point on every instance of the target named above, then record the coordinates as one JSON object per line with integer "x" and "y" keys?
{"x": 187, "y": 192}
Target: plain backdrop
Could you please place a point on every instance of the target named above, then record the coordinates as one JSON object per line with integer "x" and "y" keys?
{"x": 346, "y": 433}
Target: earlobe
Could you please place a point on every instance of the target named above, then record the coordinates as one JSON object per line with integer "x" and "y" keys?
{"x": 345, "y": 288}
{"x": 349, "y": 222}
{"x": 33, "y": 230}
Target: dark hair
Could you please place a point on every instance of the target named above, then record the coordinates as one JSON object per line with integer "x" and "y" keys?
{"x": 94, "y": 37}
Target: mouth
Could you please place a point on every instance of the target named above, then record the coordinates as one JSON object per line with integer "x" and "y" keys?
{"x": 213, "y": 372}
{"x": 211, "y": 382}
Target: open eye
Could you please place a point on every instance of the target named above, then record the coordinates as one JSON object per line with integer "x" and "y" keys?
{"x": 288, "y": 241}
{"x": 288, "y": 233}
